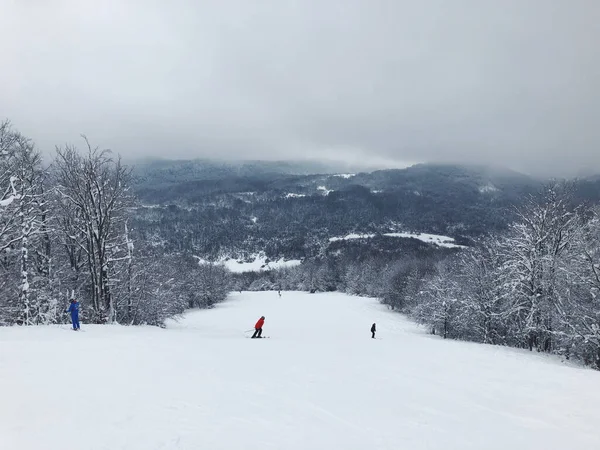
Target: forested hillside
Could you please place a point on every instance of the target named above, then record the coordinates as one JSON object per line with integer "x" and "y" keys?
{"x": 513, "y": 260}
{"x": 475, "y": 253}
{"x": 284, "y": 215}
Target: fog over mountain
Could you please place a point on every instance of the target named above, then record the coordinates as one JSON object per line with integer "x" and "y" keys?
{"x": 388, "y": 83}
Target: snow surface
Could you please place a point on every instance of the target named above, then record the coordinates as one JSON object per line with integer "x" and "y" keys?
{"x": 7, "y": 201}
{"x": 324, "y": 190}
{"x": 320, "y": 382}
{"x": 345, "y": 175}
{"x": 292, "y": 195}
{"x": 257, "y": 263}
{"x": 488, "y": 188}
{"x": 436, "y": 239}
{"x": 351, "y": 236}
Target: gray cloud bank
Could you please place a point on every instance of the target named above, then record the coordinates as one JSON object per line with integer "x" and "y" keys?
{"x": 504, "y": 82}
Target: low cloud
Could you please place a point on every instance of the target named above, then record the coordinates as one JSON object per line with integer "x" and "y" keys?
{"x": 508, "y": 83}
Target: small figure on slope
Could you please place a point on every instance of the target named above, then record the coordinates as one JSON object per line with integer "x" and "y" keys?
{"x": 258, "y": 327}
{"x": 373, "y": 330}
{"x": 74, "y": 310}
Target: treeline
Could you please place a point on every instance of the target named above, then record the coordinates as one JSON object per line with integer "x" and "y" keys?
{"x": 535, "y": 286}
{"x": 391, "y": 281}
{"x": 390, "y": 269}
{"x": 65, "y": 231}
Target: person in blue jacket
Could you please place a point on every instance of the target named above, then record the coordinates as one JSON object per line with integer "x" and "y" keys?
{"x": 74, "y": 310}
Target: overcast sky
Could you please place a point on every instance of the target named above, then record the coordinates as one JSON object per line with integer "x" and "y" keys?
{"x": 505, "y": 82}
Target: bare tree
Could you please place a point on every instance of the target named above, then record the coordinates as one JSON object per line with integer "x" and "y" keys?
{"x": 93, "y": 194}
{"x": 20, "y": 222}
{"x": 579, "y": 303}
{"x": 439, "y": 303}
{"x": 534, "y": 251}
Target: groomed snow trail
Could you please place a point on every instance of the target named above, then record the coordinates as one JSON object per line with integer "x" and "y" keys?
{"x": 320, "y": 382}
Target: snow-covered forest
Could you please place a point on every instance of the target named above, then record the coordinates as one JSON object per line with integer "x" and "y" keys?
{"x": 73, "y": 228}
{"x": 534, "y": 286}
{"x": 65, "y": 233}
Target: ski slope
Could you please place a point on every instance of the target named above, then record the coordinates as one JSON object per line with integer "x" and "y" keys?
{"x": 319, "y": 382}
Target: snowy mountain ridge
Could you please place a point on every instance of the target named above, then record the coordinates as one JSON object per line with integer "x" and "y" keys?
{"x": 288, "y": 210}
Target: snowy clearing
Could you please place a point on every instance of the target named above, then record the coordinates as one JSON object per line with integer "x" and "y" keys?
{"x": 346, "y": 176}
{"x": 436, "y": 239}
{"x": 351, "y": 236}
{"x": 440, "y": 241}
{"x": 488, "y": 188}
{"x": 320, "y": 382}
{"x": 292, "y": 195}
{"x": 257, "y": 263}
{"x": 324, "y": 190}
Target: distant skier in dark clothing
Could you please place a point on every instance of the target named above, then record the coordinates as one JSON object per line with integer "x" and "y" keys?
{"x": 373, "y": 330}
{"x": 258, "y": 327}
{"x": 74, "y": 310}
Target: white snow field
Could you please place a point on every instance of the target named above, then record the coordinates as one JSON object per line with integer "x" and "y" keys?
{"x": 319, "y": 382}
{"x": 435, "y": 239}
{"x": 258, "y": 264}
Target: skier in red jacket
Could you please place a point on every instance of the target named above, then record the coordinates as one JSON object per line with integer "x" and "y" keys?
{"x": 258, "y": 327}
